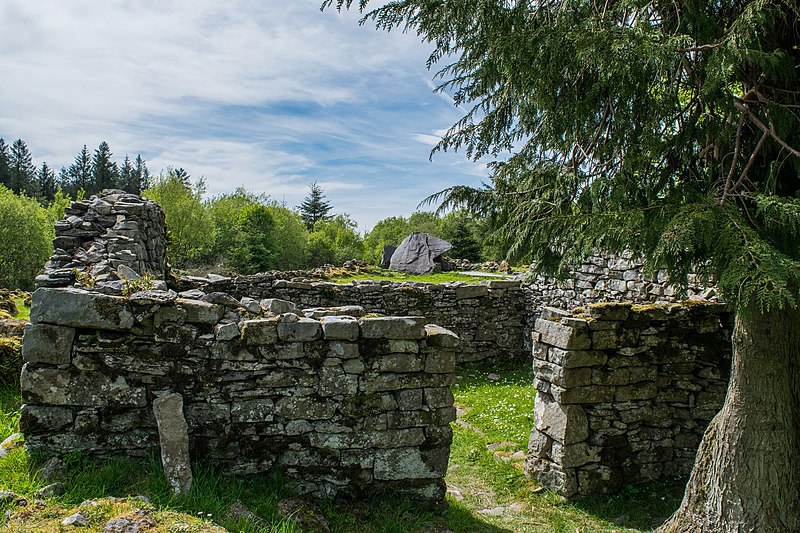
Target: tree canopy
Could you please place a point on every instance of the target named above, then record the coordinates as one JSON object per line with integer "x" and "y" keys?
{"x": 670, "y": 128}
{"x": 314, "y": 207}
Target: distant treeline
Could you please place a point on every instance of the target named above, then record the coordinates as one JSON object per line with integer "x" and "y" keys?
{"x": 89, "y": 172}
{"x": 238, "y": 232}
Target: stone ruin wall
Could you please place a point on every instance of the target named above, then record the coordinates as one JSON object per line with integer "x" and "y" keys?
{"x": 687, "y": 367}
{"x": 624, "y": 393}
{"x": 340, "y": 405}
{"x": 490, "y": 318}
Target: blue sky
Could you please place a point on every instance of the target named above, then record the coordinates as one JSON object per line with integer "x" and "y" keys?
{"x": 267, "y": 94}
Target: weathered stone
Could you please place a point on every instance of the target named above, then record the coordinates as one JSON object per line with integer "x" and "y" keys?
{"x": 78, "y": 520}
{"x": 341, "y": 310}
{"x": 252, "y": 411}
{"x": 55, "y": 468}
{"x": 396, "y": 327}
{"x": 200, "y": 312}
{"x": 79, "y": 308}
{"x": 471, "y": 291}
{"x": 222, "y": 298}
{"x": 278, "y": 307}
{"x": 386, "y": 255}
{"x": 43, "y": 343}
{"x": 306, "y": 514}
{"x": 50, "y": 386}
{"x": 303, "y": 330}
{"x": 417, "y": 252}
{"x": 226, "y": 331}
{"x": 260, "y": 332}
{"x": 340, "y": 328}
{"x": 304, "y": 408}
{"x": 440, "y": 337}
{"x": 565, "y": 423}
{"x": 563, "y": 336}
{"x": 409, "y": 463}
{"x": 11, "y": 443}
{"x": 173, "y": 434}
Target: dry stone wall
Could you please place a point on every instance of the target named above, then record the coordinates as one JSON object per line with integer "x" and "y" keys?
{"x": 624, "y": 393}
{"x": 489, "y": 318}
{"x": 106, "y": 239}
{"x": 342, "y": 405}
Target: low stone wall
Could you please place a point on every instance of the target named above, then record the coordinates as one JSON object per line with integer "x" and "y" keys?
{"x": 489, "y": 318}
{"x": 625, "y": 393}
{"x": 343, "y": 406}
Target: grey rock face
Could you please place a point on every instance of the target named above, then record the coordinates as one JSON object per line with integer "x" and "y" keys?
{"x": 173, "y": 436}
{"x": 80, "y": 308}
{"x": 386, "y": 255}
{"x": 43, "y": 343}
{"x": 416, "y": 253}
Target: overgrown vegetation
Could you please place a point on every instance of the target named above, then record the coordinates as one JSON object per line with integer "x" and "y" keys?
{"x": 487, "y": 491}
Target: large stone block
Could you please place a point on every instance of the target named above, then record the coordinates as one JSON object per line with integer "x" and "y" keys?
{"x": 394, "y": 327}
{"x": 567, "y": 337}
{"x": 43, "y": 343}
{"x": 565, "y": 423}
{"x": 409, "y": 463}
{"x": 340, "y": 328}
{"x": 173, "y": 436}
{"x": 440, "y": 337}
{"x": 81, "y": 309}
{"x": 51, "y": 386}
{"x": 299, "y": 330}
{"x": 260, "y": 332}
{"x": 201, "y": 312}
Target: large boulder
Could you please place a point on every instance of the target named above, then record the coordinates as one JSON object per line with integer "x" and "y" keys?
{"x": 417, "y": 252}
{"x": 386, "y": 256}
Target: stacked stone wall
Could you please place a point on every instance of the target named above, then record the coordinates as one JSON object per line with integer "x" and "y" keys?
{"x": 624, "y": 393}
{"x": 489, "y": 318}
{"x": 343, "y": 406}
{"x": 103, "y": 236}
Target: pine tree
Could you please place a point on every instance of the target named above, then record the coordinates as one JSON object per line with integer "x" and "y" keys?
{"x": 5, "y": 168}
{"x": 46, "y": 183}
{"x": 105, "y": 173}
{"x": 668, "y": 128}
{"x": 126, "y": 177}
{"x": 141, "y": 174}
{"x": 80, "y": 173}
{"x": 23, "y": 172}
{"x": 314, "y": 207}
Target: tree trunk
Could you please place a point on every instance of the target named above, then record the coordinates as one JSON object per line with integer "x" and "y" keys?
{"x": 746, "y": 476}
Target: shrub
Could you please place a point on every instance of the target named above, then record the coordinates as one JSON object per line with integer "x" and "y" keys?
{"x": 26, "y": 234}
{"x": 10, "y": 360}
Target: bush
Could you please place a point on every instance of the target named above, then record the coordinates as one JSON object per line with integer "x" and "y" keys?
{"x": 10, "y": 360}
{"x": 26, "y": 234}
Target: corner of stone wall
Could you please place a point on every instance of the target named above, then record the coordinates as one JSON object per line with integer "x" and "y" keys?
{"x": 624, "y": 393}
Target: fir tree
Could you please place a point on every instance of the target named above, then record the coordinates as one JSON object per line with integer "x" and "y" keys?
{"x": 23, "y": 172}
{"x": 5, "y": 169}
{"x": 80, "y": 173}
{"x": 314, "y": 207}
{"x": 141, "y": 174}
{"x": 668, "y": 128}
{"x": 46, "y": 183}
{"x": 105, "y": 173}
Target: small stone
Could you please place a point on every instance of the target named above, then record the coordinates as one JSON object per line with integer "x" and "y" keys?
{"x": 277, "y": 306}
{"x": 226, "y": 331}
{"x": 306, "y": 514}
{"x": 78, "y": 520}
{"x": 53, "y": 489}
{"x": 7, "y": 496}
{"x": 13, "y": 442}
{"x": 493, "y": 377}
{"x": 492, "y": 511}
{"x": 173, "y": 434}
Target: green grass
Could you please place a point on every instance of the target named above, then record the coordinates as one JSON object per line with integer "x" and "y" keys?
{"x": 23, "y": 311}
{"x": 485, "y": 473}
{"x": 436, "y": 277}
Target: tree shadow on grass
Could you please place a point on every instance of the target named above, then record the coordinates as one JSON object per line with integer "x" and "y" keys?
{"x": 461, "y": 520}
{"x": 642, "y": 507}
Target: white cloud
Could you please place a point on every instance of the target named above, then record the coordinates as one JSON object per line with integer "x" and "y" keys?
{"x": 267, "y": 94}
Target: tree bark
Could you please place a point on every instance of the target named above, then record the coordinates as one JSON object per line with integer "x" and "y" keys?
{"x": 746, "y": 476}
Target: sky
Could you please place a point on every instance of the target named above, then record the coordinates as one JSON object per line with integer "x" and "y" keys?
{"x": 271, "y": 95}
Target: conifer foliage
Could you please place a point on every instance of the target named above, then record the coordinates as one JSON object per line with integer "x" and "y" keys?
{"x": 314, "y": 207}
{"x": 671, "y": 128}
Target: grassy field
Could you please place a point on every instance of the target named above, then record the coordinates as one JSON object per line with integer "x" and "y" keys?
{"x": 436, "y": 277}
{"x": 487, "y": 491}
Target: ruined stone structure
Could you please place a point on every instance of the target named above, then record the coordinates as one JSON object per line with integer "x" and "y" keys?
{"x": 625, "y": 393}
{"x": 277, "y": 370}
{"x": 490, "y": 319}
{"x": 342, "y": 405}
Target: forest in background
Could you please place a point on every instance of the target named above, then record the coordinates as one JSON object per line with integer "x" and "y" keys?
{"x": 239, "y": 232}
